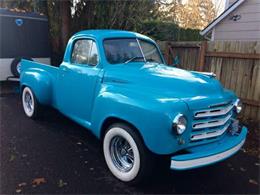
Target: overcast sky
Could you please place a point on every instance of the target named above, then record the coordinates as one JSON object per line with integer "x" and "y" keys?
{"x": 220, "y": 5}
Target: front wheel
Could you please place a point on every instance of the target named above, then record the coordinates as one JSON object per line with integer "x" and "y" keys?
{"x": 125, "y": 154}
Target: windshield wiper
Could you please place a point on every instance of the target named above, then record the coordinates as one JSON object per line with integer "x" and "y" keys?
{"x": 134, "y": 58}
{"x": 152, "y": 60}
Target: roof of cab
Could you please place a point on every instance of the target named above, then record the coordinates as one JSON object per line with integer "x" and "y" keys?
{"x": 106, "y": 34}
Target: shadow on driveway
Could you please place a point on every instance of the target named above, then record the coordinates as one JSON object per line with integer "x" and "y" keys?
{"x": 68, "y": 159}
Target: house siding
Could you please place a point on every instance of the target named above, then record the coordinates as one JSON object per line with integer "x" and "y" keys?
{"x": 246, "y": 28}
{"x": 230, "y": 2}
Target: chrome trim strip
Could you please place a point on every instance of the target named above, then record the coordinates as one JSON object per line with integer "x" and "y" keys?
{"x": 211, "y": 123}
{"x": 187, "y": 164}
{"x": 213, "y": 112}
{"x": 211, "y": 74}
{"x": 209, "y": 134}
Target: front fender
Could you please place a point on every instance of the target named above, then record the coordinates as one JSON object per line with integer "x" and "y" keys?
{"x": 40, "y": 83}
{"x": 152, "y": 118}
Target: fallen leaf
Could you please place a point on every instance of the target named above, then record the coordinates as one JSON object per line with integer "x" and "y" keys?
{"x": 253, "y": 182}
{"x": 257, "y": 164}
{"x": 91, "y": 169}
{"x": 242, "y": 169}
{"x": 79, "y": 143}
{"x": 86, "y": 162}
{"x": 229, "y": 165}
{"x": 24, "y": 155}
{"x": 22, "y": 184}
{"x": 62, "y": 183}
{"x": 18, "y": 190}
{"x": 12, "y": 158}
{"x": 38, "y": 181}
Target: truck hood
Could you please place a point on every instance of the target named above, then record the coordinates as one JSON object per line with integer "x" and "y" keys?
{"x": 167, "y": 82}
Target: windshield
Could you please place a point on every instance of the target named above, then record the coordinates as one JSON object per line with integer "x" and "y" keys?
{"x": 125, "y": 50}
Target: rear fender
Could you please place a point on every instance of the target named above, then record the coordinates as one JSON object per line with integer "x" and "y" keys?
{"x": 40, "y": 83}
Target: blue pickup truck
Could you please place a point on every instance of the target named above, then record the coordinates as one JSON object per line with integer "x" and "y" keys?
{"x": 117, "y": 85}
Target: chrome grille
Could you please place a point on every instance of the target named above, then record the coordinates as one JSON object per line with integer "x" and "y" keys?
{"x": 212, "y": 122}
{"x": 213, "y": 112}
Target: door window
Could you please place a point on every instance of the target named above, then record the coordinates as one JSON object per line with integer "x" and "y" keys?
{"x": 84, "y": 52}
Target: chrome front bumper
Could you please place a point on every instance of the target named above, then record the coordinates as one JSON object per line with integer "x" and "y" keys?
{"x": 209, "y": 153}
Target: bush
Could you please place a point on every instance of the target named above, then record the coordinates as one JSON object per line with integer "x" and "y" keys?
{"x": 169, "y": 31}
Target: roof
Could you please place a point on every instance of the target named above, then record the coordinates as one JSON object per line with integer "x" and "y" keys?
{"x": 102, "y": 34}
{"x": 21, "y": 14}
{"x": 106, "y": 34}
{"x": 221, "y": 17}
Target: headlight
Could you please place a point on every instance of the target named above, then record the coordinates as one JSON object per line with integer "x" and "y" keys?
{"x": 179, "y": 123}
{"x": 238, "y": 105}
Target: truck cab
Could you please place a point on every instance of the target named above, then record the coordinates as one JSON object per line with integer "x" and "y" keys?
{"x": 117, "y": 85}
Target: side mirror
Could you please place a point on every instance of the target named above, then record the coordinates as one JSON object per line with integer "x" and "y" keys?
{"x": 176, "y": 61}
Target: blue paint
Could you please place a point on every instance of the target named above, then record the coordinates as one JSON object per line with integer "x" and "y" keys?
{"x": 226, "y": 143}
{"x": 147, "y": 95}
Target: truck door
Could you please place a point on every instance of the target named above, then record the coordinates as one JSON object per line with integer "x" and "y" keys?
{"x": 78, "y": 79}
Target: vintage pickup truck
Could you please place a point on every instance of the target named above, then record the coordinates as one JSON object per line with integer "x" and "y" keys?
{"x": 117, "y": 85}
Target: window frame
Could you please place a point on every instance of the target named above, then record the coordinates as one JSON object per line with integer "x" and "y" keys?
{"x": 98, "y": 58}
{"x": 92, "y": 42}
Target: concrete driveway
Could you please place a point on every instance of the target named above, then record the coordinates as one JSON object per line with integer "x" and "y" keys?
{"x": 55, "y": 155}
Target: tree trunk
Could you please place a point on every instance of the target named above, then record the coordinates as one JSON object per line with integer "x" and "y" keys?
{"x": 65, "y": 21}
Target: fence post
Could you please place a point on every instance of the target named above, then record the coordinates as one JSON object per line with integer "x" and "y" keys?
{"x": 169, "y": 53}
{"x": 202, "y": 53}
{"x": 166, "y": 50}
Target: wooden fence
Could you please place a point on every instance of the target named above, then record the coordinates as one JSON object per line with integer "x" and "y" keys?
{"x": 236, "y": 64}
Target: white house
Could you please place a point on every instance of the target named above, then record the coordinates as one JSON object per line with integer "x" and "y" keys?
{"x": 240, "y": 21}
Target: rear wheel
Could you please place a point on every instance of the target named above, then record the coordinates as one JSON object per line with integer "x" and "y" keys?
{"x": 16, "y": 65}
{"x": 125, "y": 154}
{"x": 30, "y": 103}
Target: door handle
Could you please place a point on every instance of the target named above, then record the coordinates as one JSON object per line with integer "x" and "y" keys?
{"x": 63, "y": 69}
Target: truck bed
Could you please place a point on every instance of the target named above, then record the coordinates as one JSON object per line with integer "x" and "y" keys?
{"x": 27, "y": 64}
{"x": 41, "y": 78}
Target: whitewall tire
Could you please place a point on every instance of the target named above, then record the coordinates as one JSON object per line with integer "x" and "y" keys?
{"x": 30, "y": 104}
{"x": 125, "y": 154}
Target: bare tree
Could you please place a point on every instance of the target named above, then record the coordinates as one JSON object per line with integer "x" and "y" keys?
{"x": 65, "y": 11}
{"x": 194, "y": 14}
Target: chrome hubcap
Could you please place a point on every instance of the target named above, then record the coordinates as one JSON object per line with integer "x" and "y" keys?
{"x": 121, "y": 154}
{"x": 28, "y": 101}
